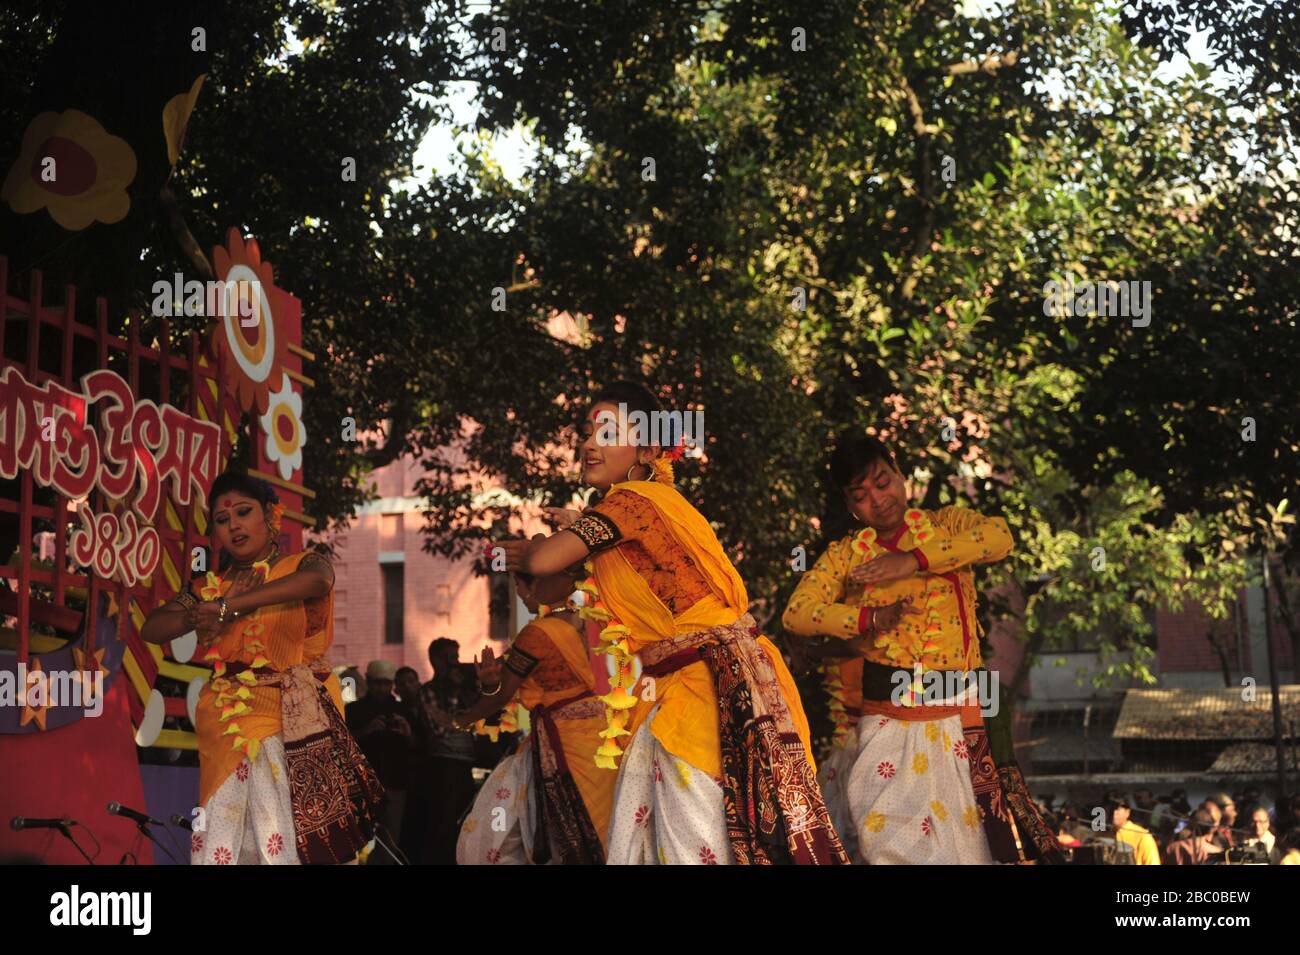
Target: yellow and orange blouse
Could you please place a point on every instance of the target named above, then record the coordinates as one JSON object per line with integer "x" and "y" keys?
{"x": 662, "y": 572}
{"x": 233, "y": 717}
{"x": 551, "y": 656}
{"x": 945, "y": 636}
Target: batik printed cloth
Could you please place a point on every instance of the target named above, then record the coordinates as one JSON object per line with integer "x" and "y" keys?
{"x": 833, "y": 777}
{"x": 249, "y": 819}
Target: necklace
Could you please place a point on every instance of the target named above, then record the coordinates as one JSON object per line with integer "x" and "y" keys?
{"x": 249, "y": 564}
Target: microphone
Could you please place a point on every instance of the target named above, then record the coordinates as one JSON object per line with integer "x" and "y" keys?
{"x": 179, "y": 820}
{"x": 19, "y": 823}
{"x": 117, "y": 809}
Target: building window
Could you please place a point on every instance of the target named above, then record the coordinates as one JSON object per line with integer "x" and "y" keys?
{"x": 394, "y": 577}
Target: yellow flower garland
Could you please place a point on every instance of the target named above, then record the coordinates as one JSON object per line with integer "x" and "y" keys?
{"x": 232, "y": 696}
{"x": 922, "y": 652}
{"x": 619, "y": 701}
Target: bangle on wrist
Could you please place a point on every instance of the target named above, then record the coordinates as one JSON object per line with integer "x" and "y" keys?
{"x": 492, "y": 692}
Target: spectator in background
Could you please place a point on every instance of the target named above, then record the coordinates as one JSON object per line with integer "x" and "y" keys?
{"x": 1222, "y": 835}
{"x": 1129, "y": 833}
{"x": 1195, "y": 845}
{"x": 384, "y": 735}
{"x": 1289, "y": 848}
{"x": 1262, "y": 834}
{"x": 419, "y": 793}
{"x": 450, "y": 779}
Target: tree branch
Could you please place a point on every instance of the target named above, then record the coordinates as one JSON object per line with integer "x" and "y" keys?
{"x": 990, "y": 64}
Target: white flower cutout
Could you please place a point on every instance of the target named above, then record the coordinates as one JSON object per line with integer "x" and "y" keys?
{"x": 282, "y": 425}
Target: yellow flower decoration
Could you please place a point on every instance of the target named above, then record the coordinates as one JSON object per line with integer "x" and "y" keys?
{"x": 970, "y": 816}
{"x": 864, "y": 543}
{"x": 211, "y": 590}
{"x": 875, "y": 822}
{"x": 920, "y": 763}
{"x": 939, "y": 809}
{"x": 71, "y": 166}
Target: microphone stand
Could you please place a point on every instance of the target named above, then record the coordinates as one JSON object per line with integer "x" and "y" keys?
{"x": 144, "y": 830}
{"x": 63, "y": 828}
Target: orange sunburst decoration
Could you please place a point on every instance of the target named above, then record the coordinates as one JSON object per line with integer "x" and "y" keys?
{"x": 250, "y": 344}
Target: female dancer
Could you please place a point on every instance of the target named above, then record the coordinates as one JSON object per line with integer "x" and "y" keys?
{"x": 281, "y": 780}
{"x": 718, "y": 767}
{"x": 551, "y": 796}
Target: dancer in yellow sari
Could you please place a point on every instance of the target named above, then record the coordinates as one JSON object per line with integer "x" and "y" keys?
{"x": 717, "y": 766}
{"x": 281, "y": 781}
{"x": 548, "y": 801}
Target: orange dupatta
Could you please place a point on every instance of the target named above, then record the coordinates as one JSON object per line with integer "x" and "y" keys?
{"x": 687, "y": 721}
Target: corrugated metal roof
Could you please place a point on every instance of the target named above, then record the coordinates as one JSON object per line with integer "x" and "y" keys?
{"x": 1251, "y": 758}
{"x": 1192, "y": 714}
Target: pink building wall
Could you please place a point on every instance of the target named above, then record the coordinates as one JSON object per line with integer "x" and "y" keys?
{"x": 443, "y": 598}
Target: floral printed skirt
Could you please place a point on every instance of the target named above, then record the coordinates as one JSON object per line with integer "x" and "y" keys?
{"x": 666, "y": 812}
{"x": 499, "y": 828}
{"x": 910, "y": 794}
{"x": 249, "y": 819}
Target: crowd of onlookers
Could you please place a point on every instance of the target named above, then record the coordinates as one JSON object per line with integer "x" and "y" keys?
{"x": 426, "y": 768}
{"x": 1145, "y": 829}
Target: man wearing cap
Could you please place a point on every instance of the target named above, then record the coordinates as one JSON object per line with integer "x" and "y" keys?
{"x": 1129, "y": 833}
{"x": 384, "y": 735}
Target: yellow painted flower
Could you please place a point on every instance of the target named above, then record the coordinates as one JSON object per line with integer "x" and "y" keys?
{"x": 970, "y": 816}
{"x": 920, "y": 763}
{"x": 875, "y": 822}
{"x": 683, "y": 774}
{"x": 71, "y": 166}
{"x": 932, "y": 731}
{"x": 939, "y": 809}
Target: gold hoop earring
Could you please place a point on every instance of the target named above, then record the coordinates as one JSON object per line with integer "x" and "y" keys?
{"x": 636, "y": 465}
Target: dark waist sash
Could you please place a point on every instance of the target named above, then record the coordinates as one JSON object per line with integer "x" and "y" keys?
{"x": 563, "y": 823}
{"x": 878, "y": 680}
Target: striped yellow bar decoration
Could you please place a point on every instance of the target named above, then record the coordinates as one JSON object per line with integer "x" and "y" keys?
{"x": 182, "y": 671}
{"x": 280, "y": 482}
{"x": 169, "y": 571}
{"x": 305, "y": 519}
{"x": 300, "y": 378}
{"x": 136, "y": 675}
{"x": 176, "y": 739}
{"x": 301, "y": 352}
{"x": 173, "y": 519}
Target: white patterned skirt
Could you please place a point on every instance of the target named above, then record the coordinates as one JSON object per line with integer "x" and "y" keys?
{"x": 910, "y": 795}
{"x": 666, "y": 812}
{"x": 249, "y": 819}
{"x": 500, "y": 826}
